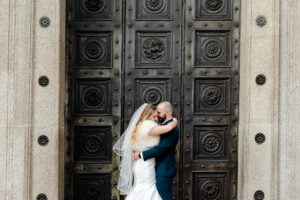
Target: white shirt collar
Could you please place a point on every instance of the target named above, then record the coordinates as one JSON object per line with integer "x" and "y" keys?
{"x": 166, "y": 121}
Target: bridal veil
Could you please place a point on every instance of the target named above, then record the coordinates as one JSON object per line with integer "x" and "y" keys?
{"x": 123, "y": 149}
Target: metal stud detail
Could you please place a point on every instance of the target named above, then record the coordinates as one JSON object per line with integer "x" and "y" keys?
{"x": 260, "y": 79}
{"x": 43, "y": 81}
{"x": 43, "y": 140}
{"x": 259, "y": 195}
{"x": 261, "y": 21}
{"x": 41, "y": 196}
{"x": 260, "y": 138}
{"x": 44, "y": 22}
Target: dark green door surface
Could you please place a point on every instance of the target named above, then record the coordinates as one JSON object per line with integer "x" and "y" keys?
{"x": 121, "y": 54}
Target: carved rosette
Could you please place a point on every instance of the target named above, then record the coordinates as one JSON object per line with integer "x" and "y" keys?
{"x": 154, "y": 6}
{"x": 152, "y": 95}
{"x": 44, "y": 22}
{"x": 42, "y": 196}
{"x": 212, "y": 96}
{"x": 210, "y": 189}
{"x": 93, "y": 97}
{"x": 92, "y": 191}
{"x": 43, "y": 81}
{"x": 213, "y": 5}
{"x": 259, "y": 195}
{"x": 261, "y": 21}
{"x": 260, "y": 79}
{"x": 43, "y": 140}
{"x": 260, "y": 138}
{"x": 213, "y": 50}
{"x": 94, "y": 50}
{"x": 94, "y": 6}
{"x": 211, "y": 143}
{"x": 153, "y": 49}
{"x": 92, "y": 144}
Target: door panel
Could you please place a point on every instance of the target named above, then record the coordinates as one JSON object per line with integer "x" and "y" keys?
{"x": 153, "y": 57}
{"x": 211, "y": 100}
{"x": 94, "y": 98}
{"x": 124, "y": 53}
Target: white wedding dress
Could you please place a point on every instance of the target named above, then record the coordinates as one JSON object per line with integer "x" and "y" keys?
{"x": 144, "y": 187}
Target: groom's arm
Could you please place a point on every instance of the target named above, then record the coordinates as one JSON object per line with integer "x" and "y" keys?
{"x": 163, "y": 147}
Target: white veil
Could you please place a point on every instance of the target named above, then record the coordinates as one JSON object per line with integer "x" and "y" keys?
{"x": 123, "y": 149}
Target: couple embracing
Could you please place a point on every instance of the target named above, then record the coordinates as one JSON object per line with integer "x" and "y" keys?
{"x": 148, "y": 148}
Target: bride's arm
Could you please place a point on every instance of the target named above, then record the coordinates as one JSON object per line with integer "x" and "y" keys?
{"x": 161, "y": 129}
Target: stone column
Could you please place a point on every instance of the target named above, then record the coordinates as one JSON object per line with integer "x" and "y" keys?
{"x": 15, "y": 98}
{"x": 28, "y": 110}
{"x": 289, "y": 125}
{"x": 258, "y": 163}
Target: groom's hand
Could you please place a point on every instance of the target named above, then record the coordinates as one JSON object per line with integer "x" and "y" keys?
{"x": 135, "y": 155}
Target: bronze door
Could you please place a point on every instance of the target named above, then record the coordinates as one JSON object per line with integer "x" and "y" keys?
{"x": 210, "y": 85}
{"x": 121, "y": 54}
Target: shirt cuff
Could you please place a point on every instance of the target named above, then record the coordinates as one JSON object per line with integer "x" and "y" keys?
{"x": 141, "y": 154}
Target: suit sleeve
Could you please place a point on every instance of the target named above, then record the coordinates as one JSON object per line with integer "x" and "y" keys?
{"x": 163, "y": 147}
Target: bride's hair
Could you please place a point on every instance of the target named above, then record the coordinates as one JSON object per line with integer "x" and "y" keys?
{"x": 146, "y": 114}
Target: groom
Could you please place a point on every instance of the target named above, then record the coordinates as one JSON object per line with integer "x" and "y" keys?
{"x": 164, "y": 153}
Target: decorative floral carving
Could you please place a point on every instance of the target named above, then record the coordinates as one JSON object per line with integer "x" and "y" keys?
{"x": 259, "y": 195}
{"x": 41, "y": 196}
{"x": 260, "y": 79}
{"x": 211, "y": 143}
{"x": 44, "y": 22}
{"x": 43, "y": 140}
{"x": 92, "y": 144}
{"x": 93, "y": 97}
{"x": 43, "y": 81}
{"x": 153, "y": 49}
{"x": 213, "y": 49}
{"x": 94, "y": 50}
{"x": 213, "y": 5}
{"x": 212, "y": 96}
{"x": 152, "y": 96}
{"x": 94, "y": 5}
{"x": 260, "y": 138}
{"x": 92, "y": 191}
{"x": 210, "y": 189}
{"x": 261, "y": 21}
{"x": 154, "y": 5}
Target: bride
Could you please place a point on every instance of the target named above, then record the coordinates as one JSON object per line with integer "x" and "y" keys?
{"x": 137, "y": 178}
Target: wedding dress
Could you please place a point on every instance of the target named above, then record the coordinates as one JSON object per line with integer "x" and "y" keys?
{"x": 144, "y": 187}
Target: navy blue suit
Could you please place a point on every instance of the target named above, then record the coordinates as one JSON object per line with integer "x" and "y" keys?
{"x": 164, "y": 154}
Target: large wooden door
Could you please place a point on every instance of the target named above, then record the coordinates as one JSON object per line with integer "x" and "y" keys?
{"x": 124, "y": 53}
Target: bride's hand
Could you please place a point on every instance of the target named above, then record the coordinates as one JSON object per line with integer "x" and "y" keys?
{"x": 174, "y": 122}
{"x": 135, "y": 155}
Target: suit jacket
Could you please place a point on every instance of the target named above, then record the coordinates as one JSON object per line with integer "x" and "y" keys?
{"x": 164, "y": 153}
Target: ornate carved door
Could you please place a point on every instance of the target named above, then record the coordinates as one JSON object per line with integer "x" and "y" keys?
{"x": 152, "y": 56}
{"x": 210, "y": 85}
{"x": 123, "y": 53}
{"x": 94, "y": 49}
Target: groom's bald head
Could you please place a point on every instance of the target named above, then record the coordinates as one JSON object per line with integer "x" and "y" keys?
{"x": 165, "y": 105}
{"x": 164, "y": 109}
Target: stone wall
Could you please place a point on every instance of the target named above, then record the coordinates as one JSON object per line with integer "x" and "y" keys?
{"x": 258, "y": 163}
{"x": 289, "y": 113}
{"x": 27, "y": 109}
